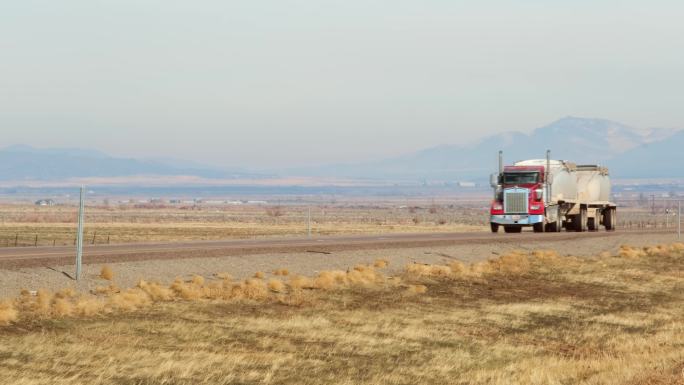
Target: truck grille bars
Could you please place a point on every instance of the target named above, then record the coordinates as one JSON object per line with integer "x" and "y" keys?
{"x": 515, "y": 200}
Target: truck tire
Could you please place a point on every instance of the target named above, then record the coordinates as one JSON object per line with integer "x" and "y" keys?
{"x": 593, "y": 223}
{"x": 580, "y": 221}
{"x": 538, "y": 227}
{"x": 610, "y": 218}
{"x": 512, "y": 229}
{"x": 494, "y": 227}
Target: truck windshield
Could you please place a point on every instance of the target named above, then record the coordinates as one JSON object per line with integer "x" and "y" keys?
{"x": 521, "y": 178}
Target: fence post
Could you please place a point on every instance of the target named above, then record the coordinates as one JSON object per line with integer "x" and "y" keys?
{"x": 79, "y": 235}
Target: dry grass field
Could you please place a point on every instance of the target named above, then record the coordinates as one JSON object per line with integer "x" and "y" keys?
{"x": 523, "y": 318}
{"x": 23, "y": 225}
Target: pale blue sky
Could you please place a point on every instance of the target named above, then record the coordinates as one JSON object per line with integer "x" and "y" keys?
{"x": 264, "y": 83}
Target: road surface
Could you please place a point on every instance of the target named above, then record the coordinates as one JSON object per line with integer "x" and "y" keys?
{"x": 22, "y": 257}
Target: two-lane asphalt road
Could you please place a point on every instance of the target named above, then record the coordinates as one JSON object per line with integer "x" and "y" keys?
{"x": 13, "y": 258}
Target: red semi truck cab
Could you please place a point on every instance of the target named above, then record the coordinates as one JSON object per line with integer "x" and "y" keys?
{"x": 520, "y": 198}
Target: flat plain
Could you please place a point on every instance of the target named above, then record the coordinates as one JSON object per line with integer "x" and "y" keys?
{"x": 521, "y": 318}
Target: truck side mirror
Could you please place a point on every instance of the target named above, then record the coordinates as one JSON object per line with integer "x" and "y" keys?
{"x": 549, "y": 178}
{"x": 494, "y": 180}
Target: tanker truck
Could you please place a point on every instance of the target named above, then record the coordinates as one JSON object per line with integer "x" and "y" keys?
{"x": 549, "y": 195}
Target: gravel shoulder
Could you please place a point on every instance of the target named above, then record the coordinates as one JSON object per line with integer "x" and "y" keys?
{"x": 127, "y": 274}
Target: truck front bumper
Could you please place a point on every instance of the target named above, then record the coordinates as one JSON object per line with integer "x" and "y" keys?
{"x": 515, "y": 219}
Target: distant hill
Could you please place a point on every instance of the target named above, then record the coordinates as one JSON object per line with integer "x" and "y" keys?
{"x": 23, "y": 162}
{"x": 660, "y": 159}
{"x": 629, "y": 152}
{"x": 578, "y": 139}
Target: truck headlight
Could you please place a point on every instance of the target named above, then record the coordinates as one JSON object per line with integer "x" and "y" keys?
{"x": 497, "y": 206}
{"x": 536, "y": 207}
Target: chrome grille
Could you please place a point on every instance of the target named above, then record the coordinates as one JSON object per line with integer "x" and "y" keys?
{"x": 515, "y": 201}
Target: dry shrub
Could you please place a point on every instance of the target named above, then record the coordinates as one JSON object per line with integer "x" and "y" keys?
{"x": 482, "y": 268}
{"x": 8, "y": 313}
{"x": 186, "y": 290}
{"x": 417, "y": 270}
{"x": 281, "y": 272}
{"x": 156, "y": 291}
{"x": 259, "y": 275}
{"x": 106, "y": 290}
{"x": 198, "y": 280}
{"x": 255, "y": 289}
{"x": 380, "y": 263}
{"x": 546, "y": 255}
{"x": 107, "y": 273}
{"x": 364, "y": 275}
{"x": 276, "y": 286}
{"x": 61, "y": 307}
{"x": 325, "y": 281}
{"x": 88, "y": 307}
{"x": 299, "y": 282}
{"x": 513, "y": 263}
{"x": 68, "y": 292}
{"x": 677, "y": 247}
{"x": 224, "y": 276}
{"x": 458, "y": 268}
{"x": 630, "y": 252}
{"x": 42, "y": 303}
{"x": 129, "y": 300}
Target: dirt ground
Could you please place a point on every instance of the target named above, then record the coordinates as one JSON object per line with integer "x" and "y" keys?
{"x": 127, "y": 274}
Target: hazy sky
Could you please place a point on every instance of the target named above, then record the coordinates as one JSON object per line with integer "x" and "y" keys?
{"x": 266, "y": 83}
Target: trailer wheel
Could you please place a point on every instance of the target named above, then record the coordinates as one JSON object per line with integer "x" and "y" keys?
{"x": 593, "y": 223}
{"x": 580, "y": 220}
{"x": 512, "y": 229}
{"x": 494, "y": 227}
{"x": 610, "y": 218}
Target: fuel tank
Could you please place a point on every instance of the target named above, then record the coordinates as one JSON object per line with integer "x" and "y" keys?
{"x": 584, "y": 183}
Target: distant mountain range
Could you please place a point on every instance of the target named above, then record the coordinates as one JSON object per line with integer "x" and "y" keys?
{"x": 23, "y": 162}
{"x": 628, "y": 152}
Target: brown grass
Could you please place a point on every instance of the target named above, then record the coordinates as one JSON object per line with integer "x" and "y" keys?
{"x": 380, "y": 263}
{"x": 107, "y": 273}
{"x": 8, "y": 313}
{"x": 125, "y": 224}
{"x": 523, "y": 318}
{"x": 276, "y": 285}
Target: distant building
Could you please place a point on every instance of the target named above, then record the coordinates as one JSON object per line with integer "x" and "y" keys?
{"x": 45, "y": 202}
{"x": 466, "y": 184}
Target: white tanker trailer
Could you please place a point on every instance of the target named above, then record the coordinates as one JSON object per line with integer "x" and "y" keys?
{"x": 549, "y": 195}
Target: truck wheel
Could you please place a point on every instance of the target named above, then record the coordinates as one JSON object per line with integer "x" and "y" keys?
{"x": 580, "y": 220}
{"x": 593, "y": 223}
{"x": 512, "y": 229}
{"x": 538, "y": 227}
{"x": 494, "y": 227}
{"x": 609, "y": 218}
